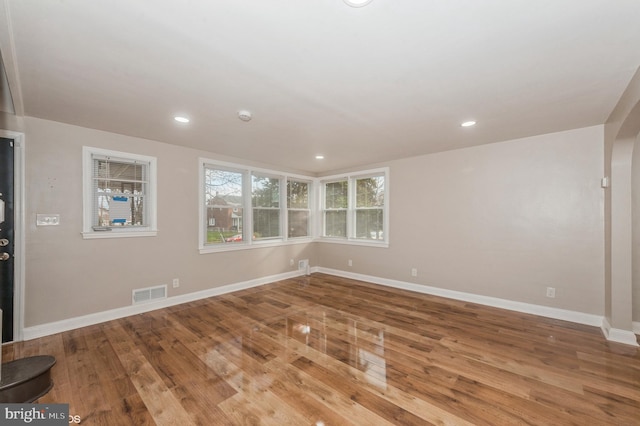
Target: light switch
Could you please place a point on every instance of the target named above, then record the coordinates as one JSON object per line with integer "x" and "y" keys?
{"x": 47, "y": 219}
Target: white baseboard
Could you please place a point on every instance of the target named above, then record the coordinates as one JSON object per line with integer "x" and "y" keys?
{"x": 617, "y": 335}
{"x": 544, "y": 311}
{"x": 91, "y": 319}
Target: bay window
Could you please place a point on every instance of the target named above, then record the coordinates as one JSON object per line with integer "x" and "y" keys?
{"x": 244, "y": 207}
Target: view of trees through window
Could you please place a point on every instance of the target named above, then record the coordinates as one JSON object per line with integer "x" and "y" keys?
{"x": 224, "y": 199}
{"x": 265, "y": 200}
{"x": 298, "y": 208}
{"x": 370, "y": 207}
{"x": 336, "y": 204}
{"x": 366, "y": 211}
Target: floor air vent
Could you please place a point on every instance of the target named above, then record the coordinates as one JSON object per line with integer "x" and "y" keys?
{"x": 142, "y": 295}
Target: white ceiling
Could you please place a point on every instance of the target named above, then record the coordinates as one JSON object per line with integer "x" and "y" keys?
{"x": 359, "y": 85}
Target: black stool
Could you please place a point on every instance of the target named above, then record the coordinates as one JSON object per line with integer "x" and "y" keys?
{"x": 27, "y": 379}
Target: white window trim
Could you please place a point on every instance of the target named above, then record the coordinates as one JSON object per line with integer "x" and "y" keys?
{"x": 351, "y": 210}
{"x": 248, "y": 207}
{"x": 151, "y": 230}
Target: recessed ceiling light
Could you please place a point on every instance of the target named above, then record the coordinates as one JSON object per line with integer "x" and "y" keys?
{"x": 468, "y": 123}
{"x": 357, "y": 3}
{"x": 319, "y": 157}
{"x": 180, "y": 119}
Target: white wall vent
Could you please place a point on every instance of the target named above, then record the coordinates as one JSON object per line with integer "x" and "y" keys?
{"x": 141, "y": 295}
{"x": 303, "y": 265}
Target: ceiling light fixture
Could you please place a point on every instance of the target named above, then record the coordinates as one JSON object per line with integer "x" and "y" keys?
{"x": 357, "y": 3}
{"x": 244, "y": 115}
{"x": 319, "y": 157}
{"x": 468, "y": 123}
{"x": 181, "y": 119}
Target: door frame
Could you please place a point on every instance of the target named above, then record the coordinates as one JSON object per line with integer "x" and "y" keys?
{"x": 19, "y": 229}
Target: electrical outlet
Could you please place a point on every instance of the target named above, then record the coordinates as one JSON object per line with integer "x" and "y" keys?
{"x": 414, "y": 272}
{"x": 290, "y": 262}
{"x": 176, "y": 283}
{"x": 350, "y": 262}
{"x": 551, "y": 292}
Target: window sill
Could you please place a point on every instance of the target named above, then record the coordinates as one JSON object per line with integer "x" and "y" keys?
{"x": 353, "y": 242}
{"x": 93, "y": 235}
{"x": 255, "y": 245}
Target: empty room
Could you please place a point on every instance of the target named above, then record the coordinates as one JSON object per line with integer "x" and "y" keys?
{"x": 333, "y": 212}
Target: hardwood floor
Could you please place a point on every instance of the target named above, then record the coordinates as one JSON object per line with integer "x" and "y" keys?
{"x": 324, "y": 350}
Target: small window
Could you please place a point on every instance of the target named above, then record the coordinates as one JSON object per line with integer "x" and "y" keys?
{"x": 119, "y": 194}
{"x": 355, "y": 208}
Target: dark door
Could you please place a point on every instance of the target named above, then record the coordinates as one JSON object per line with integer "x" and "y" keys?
{"x": 6, "y": 238}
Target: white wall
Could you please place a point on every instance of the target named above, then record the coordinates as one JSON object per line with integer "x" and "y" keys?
{"x": 67, "y": 276}
{"x": 504, "y": 220}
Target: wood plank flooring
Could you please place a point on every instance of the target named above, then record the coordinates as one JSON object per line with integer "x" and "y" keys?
{"x": 324, "y": 350}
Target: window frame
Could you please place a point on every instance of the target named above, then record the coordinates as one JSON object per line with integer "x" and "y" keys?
{"x": 88, "y": 205}
{"x": 247, "y": 194}
{"x": 352, "y": 208}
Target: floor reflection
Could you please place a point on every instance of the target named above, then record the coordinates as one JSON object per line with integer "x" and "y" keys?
{"x": 357, "y": 344}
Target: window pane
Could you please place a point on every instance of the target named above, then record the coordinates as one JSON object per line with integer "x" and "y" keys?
{"x": 113, "y": 169}
{"x": 336, "y": 195}
{"x": 298, "y": 223}
{"x": 119, "y": 189}
{"x": 297, "y": 195}
{"x": 335, "y": 223}
{"x": 223, "y": 197}
{"x": 265, "y": 198}
{"x": 265, "y": 191}
{"x": 298, "y": 204}
{"x": 370, "y": 192}
{"x": 369, "y": 224}
{"x": 119, "y": 210}
{"x": 266, "y": 223}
